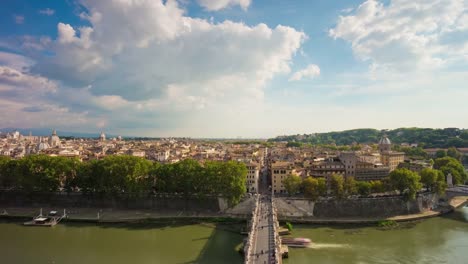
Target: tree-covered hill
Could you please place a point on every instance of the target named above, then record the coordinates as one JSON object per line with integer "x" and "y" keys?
{"x": 427, "y": 137}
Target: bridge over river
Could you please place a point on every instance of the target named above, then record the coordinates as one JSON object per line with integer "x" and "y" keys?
{"x": 263, "y": 244}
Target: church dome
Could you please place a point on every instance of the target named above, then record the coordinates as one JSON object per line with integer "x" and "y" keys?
{"x": 54, "y": 140}
{"x": 42, "y": 146}
{"x": 385, "y": 141}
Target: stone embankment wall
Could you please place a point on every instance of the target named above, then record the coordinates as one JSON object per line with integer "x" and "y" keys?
{"x": 362, "y": 207}
{"x": 169, "y": 203}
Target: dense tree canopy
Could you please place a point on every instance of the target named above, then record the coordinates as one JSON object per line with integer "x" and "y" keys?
{"x": 124, "y": 175}
{"x": 406, "y": 182}
{"x": 314, "y": 187}
{"x": 337, "y": 186}
{"x": 425, "y": 137}
{"x": 292, "y": 184}
{"x": 453, "y": 166}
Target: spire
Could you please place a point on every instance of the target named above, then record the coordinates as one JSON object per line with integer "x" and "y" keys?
{"x": 54, "y": 132}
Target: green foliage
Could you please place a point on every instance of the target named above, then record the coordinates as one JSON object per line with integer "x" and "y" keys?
{"x": 406, "y": 182}
{"x": 427, "y": 137}
{"x": 294, "y": 144}
{"x": 417, "y": 152}
{"x": 454, "y": 153}
{"x": 292, "y": 184}
{"x": 128, "y": 175}
{"x": 350, "y": 186}
{"x": 313, "y": 188}
{"x": 453, "y": 166}
{"x": 377, "y": 186}
{"x": 337, "y": 186}
{"x": 433, "y": 180}
{"x": 364, "y": 188}
{"x": 387, "y": 224}
{"x": 441, "y": 153}
{"x": 289, "y": 226}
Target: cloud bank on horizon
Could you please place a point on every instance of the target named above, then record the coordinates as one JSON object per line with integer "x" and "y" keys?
{"x": 162, "y": 68}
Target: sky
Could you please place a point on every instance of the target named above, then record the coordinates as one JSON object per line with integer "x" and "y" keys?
{"x": 233, "y": 68}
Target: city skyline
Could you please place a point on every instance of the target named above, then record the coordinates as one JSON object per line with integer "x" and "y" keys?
{"x": 223, "y": 69}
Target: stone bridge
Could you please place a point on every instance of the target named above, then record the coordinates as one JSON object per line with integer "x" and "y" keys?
{"x": 263, "y": 244}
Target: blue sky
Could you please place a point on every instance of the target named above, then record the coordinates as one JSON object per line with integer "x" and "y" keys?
{"x": 229, "y": 68}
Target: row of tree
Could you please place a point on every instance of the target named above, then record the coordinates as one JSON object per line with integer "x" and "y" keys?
{"x": 405, "y": 181}
{"x": 124, "y": 175}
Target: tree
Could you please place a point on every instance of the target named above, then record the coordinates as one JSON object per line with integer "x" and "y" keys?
{"x": 322, "y": 187}
{"x": 310, "y": 186}
{"x": 429, "y": 177}
{"x": 454, "y": 153}
{"x": 364, "y": 188}
{"x": 450, "y": 165}
{"x": 441, "y": 153}
{"x": 440, "y": 185}
{"x": 337, "y": 186}
{"x": 292, "y": 184}
{"x": 377, "y": 186}
{"x": 350, "y": 187}
{"x": 406, "y": 182}
{"x": 4, "y": 181}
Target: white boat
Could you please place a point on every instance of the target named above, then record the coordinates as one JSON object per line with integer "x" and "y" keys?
{"x": 296, "y": 242}
{"x": 50, "y": 220}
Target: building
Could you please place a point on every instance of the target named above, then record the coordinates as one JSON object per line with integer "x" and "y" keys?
{"x": 390, "y": 158}
{"x": 326, "y": 168}
{"x": 366, "y": 171}
{"x": 102, "y": 136}
{"x": 253, "y": 176}
{"x": 279, "y": 171}
{"x": 54, "y": 140}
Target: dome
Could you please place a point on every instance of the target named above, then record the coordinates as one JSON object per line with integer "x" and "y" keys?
{"x": 54, "y": 140}
{"x": 102, "y": 137}
{"x": 42, "y": 146}
{"x": 385, "y": 141}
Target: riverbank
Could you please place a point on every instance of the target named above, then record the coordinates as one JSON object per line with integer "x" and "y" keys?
{"x": 93, "y": 215}
{"x": 454, "y": 203}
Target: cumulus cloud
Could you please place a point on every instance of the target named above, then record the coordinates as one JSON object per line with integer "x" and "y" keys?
{"x": 406, "y": 35}
{"x": 47, "y": 11}
{"x": 215, "y": 5}
{"x": 141, "y": 50}
{"x": 147, "y": 64}
{"x": 310, "y": 71}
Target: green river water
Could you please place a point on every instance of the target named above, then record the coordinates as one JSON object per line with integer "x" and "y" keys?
{"x": 436, "y": 240}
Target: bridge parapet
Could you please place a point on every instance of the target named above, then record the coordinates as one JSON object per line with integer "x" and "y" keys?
{"x": 249, "y": 244}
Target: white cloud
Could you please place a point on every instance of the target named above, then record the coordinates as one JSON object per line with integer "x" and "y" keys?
{"x": 140, "y": 50}
{"x": 19, "y": 19}
{"x": 215, "y": 5}
{"x": 406, "y": 35}
{"x": 47, "y": 11}
{"x": 310, "y": 71}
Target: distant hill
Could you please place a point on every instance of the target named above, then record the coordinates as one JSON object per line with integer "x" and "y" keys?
{"x": 427, "y": 137}
{"x": 48, "y": 131}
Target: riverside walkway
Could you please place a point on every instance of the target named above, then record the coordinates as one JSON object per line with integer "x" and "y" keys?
{"x": 263, "y": 243}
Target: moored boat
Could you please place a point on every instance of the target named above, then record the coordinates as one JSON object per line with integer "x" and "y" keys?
{"x": 50, "y": 220}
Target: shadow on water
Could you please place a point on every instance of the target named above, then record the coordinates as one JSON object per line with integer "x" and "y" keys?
{"x": 220, "y": 248}
{"x": 458, "y": 215}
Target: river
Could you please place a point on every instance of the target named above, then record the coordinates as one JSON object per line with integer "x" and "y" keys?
{"x": 139, "y": 244}
{"x": 436, "y": 240}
